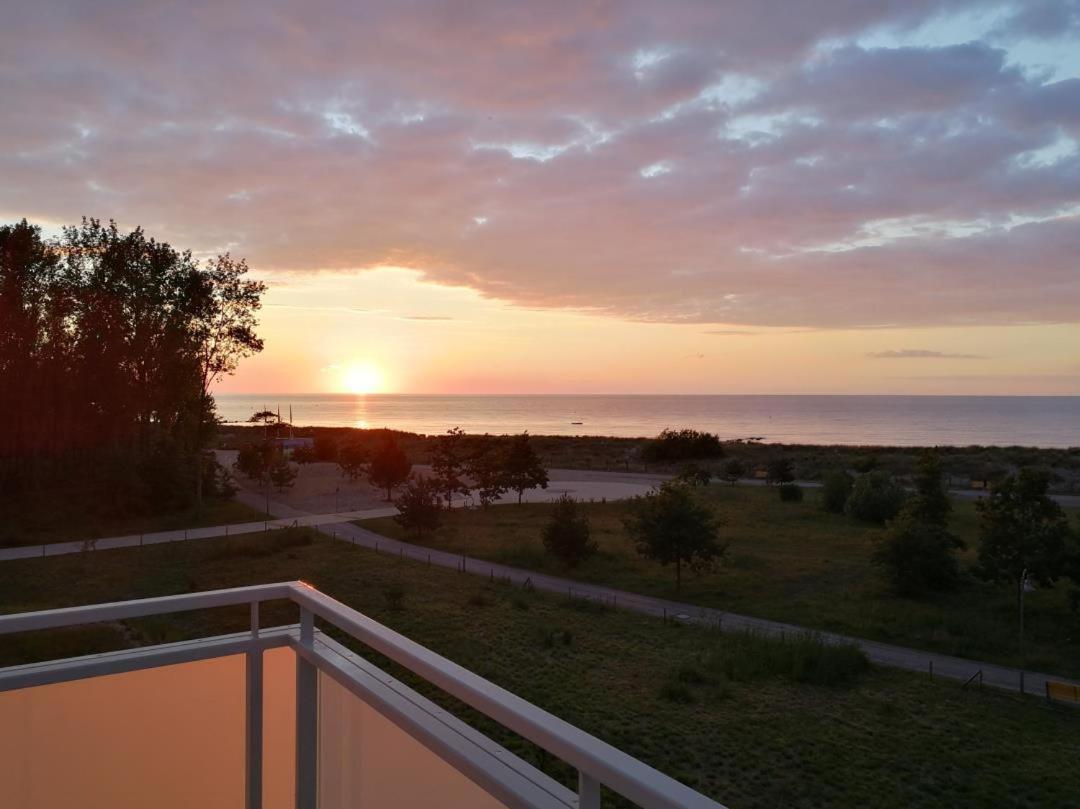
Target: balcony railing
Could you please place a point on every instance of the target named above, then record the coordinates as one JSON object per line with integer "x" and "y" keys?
{"x": 497, "y": 771}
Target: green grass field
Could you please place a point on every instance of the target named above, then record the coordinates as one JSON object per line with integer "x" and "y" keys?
{"x": 719, "y": 712}
{"x": 790, "y": 562}
{"x": 54, "y": 521}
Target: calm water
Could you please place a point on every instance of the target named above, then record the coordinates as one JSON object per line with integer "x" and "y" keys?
{"x": 1043, "y": 421}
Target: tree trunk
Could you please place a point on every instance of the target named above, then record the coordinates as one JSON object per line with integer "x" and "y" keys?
{"x": 678, "y": 573}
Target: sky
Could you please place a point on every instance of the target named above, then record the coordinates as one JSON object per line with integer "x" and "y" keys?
{"x": 840, "y": 196}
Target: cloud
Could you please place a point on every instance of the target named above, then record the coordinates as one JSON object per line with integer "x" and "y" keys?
{"x": 811, "y": 179}
{"x": 921, "y": 354}
{"x": 731, "y": 332}
{"x": 425, "y": 317}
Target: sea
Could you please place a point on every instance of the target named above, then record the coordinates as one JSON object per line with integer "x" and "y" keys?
{"x": 1036, "y": 421}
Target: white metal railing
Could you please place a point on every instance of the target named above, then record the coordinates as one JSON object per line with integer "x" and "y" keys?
{"x": 597, "y": 762}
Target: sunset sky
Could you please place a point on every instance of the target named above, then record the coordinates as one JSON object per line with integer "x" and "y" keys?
{"x": 688, "y": 197}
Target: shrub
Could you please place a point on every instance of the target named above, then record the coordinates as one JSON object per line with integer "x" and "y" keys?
{"x": 395, "y": 597}
{"x": 804, "y": 658}
{"x": 566, "y": 536}
{"x": 790, "y": 493}
{"x": 875, "y": 497}
{"x": 733, "y": 470}
{"x": 918, "y": 556}
{"x": 418, "y": 506}
{"x": 683, "y": 445}
{"x": 678, "y": 693}
{"x": 694, "y": 475}
{"x": 779, "y": 470}
{"x": 835, "y": 490}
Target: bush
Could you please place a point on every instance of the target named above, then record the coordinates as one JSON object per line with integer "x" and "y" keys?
{"x": 918, "y": 556}
{"x": 733, "y": 470}
{"x": 835, "y": 490}
{"x": 875, "y": 497}
{"x": 779, "y": 470}
{"x": 566, "y": 537}
{"x": 790, "y": 493}
{"x": 683, "y": 445}
{"x": 418, "y": 506}
{"x": 694, "y": 475}
{"x": 804, "y": 658}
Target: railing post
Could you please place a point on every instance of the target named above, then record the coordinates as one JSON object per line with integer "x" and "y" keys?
{"x": 588, "y": 791}
{"x": 307, "y": 706}
{"x": 254, "y": 716}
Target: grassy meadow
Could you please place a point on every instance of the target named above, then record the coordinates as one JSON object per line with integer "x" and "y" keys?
{"x": 790, "y": 562}
{"x": 753, "y": 723}
{"x": 56, "y": 519}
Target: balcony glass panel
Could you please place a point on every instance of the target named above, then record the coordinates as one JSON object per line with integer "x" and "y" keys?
{"x": 367, "y": 761}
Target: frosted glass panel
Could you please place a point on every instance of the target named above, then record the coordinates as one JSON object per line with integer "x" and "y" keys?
{"x": 367, "y": 762}
{"x": 169, "y": 737}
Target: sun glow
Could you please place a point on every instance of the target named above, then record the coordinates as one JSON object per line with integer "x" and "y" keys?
{"x": 362, "y": 378}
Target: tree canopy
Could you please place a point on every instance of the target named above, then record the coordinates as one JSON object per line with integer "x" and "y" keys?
{"x": 109, "y": 342}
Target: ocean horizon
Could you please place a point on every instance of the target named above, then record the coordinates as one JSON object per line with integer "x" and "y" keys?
{"x": 890, "y": 420}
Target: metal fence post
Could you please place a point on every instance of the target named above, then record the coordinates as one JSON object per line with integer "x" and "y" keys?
{"x": 307, "y": 705}
{"x": 588, "y": 791}
{"x": 254, "y": 716}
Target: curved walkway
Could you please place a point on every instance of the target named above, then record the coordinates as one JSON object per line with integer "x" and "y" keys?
{"x": 882, "y": 654}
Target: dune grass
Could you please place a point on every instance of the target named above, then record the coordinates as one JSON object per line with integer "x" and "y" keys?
{"x": 789, "y": 562}
{"x": 57, "y": 519}
{"x": 746, "y": 720}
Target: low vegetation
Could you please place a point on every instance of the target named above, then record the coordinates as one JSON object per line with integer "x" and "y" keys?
{"x": 792, "y": 562}
{"x": 750, "y": 721}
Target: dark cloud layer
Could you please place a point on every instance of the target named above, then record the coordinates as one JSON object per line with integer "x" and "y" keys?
{"x": 921, "y": 354}
{"x": 706, "y": 162}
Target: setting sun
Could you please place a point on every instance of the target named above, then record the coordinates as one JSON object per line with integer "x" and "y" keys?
{"x": 362, "y": 378}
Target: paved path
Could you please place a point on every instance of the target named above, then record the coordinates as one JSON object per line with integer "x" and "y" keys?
{"x": 183, "y": 534}
{"x": 339, "y": 526}
{"x": 882, "y": 654}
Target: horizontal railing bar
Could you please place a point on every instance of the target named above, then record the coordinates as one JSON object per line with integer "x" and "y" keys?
{"x": 137, "y": 608}
{"x": 127, "y": 660}
{"x": 424, "y": 721}
{"x": 610, "y": 766}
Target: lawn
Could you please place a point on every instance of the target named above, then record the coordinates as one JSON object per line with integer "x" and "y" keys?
{"x": 749, "y": 736}
{"x": 53, "y": 520}
{"x": 789, "y": 562}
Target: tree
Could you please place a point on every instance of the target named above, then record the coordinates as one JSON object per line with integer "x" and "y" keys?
{"x": 418, "y": 506}
{"x": 683, "y": 445}
{"x": 352, "y": 460}
{"x": 108, "y": 345}
{"x": 448, "y": 464}
{"x": 282, "y": 473}
{"x": 694, "y": 475}
{"x": 669, "y": 526}
{"x": 918, "y": 556}
{"x": 389, "y": 467}
{"x": 522, "y": 468}
{"x": 567, "y": 534}
{"x": 223, "y": 326}
{"x": 918, "y": 553}
{"x": 930, "y": 503}
{"x": 835, "y": 490}
{"x": 790, "y": 493}
{"x": 253, "y": 460}
{"x": 485, "y": 470}
{"x": 875, "y": 497}
{"x": 1023, "y": 533}
{"x": 779, "y": 470}
{"x": 733, "y": 470}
